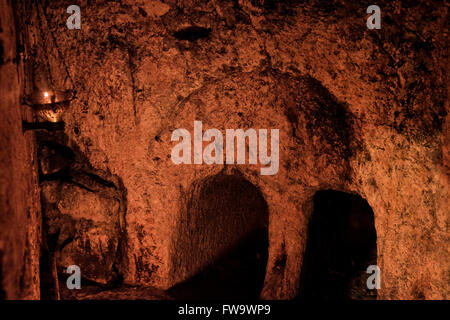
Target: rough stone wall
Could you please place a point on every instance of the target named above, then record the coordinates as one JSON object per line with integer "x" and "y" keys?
{"x": 358, "y": 110}
{"x": 20, "y": 215}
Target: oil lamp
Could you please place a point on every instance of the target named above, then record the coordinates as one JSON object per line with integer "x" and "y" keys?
{"x": 47, "y": 98}
{"x": 49, "y": 106}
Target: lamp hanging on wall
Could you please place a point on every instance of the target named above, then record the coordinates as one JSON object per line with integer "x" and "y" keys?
{"x": 50, "y": 96}
{"x": 49, "y": 107}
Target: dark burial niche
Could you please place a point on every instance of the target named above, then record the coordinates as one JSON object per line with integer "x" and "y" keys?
{"x": 342, "y": 243}
{"x": 192, "y": 33}
{"x": 229, "y": 205}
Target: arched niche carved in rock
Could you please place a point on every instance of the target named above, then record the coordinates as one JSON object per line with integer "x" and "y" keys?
{"x": 342, "y": 243}
{"x": 222, "y": 239}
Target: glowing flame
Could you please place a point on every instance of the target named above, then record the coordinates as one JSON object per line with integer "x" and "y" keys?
{"x": 46, "y": 94}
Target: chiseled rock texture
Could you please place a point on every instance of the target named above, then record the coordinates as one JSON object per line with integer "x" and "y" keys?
{"x": 361, "y": 111}
{"x": 95, "y": 243}
{"x": 83, "y": 220}
{"x": 20, "y": 213}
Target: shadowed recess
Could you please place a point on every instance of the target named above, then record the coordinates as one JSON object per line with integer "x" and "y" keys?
{"x": 192, "y": 33}
{"x": 2, "y": 291}
{"x": 341, "y": 245}
{"x": 224, "y": 252}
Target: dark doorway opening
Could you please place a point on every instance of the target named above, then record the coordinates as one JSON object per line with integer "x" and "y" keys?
{"x": 238, "y": 274}
{"x": 226, "y": 227}
{"x": 342, "y": 243}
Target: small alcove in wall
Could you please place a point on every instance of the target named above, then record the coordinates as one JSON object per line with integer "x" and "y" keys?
{"x": 222, "y": 240}
{"x": 342, "y": 243}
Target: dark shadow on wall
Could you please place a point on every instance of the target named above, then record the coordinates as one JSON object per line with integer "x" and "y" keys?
{"x": 225, "y": 243}
{"x": 2, "y": 291}
{"x": 192, "y": 33}
{"x": 238, "y": 274}
{"x": 342, "y": 243}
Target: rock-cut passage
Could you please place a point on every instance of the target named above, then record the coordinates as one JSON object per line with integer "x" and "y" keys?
{"x": 341, "y": 245}
{"x": 225, "y": 237}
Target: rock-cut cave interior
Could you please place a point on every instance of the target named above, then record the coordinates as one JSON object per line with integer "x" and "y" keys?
{"x": 224, "y": 150}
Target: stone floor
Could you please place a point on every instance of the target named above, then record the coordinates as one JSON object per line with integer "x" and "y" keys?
{"x": 96, "y": 292}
